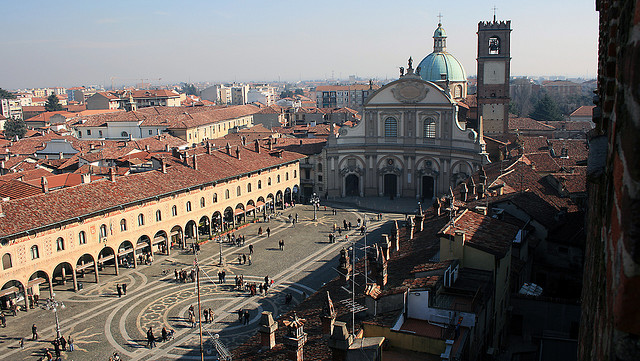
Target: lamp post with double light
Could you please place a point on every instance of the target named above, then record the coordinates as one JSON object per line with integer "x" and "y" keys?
{"x": 52, "y": 305}
{"x": 315, "y": 201}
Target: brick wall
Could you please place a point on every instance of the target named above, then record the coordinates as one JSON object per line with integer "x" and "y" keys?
{"x": 610, "y": 321}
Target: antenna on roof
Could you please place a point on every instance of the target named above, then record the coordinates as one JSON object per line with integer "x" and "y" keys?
{"x": 494, "y": 13}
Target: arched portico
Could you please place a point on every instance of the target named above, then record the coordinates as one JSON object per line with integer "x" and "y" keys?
{"x": 62, "y": 271}
{"x": 12, "y": 294}
{"x": 279, "y": 200}
{"x": 216, "y": 222}
{"x": 271, "y": 202}
{"x": 239, "y": 214}
{"x": 126, "y": 256}
{"x": 190, "y": 232}
{"x": 161, "y": 243}
{"x": 86, "y": 263}
{"x": 143, "y": 248}
{"x": 251, "y": 209}
{"x": 352, "y": 185}
{"x": 107, "y": 256}
{"x": 288, "y": 196}
{"x": 204, "y": 227}
{"x": 228, "y": 218}
{"x": 177, "y": 237}
{"x": 35, "y": 280}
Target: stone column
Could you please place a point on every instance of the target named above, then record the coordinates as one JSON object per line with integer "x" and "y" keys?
{"x": 95, "y": 270}
{"x": 51, "y": 286}
{"x": 64, "y": 275}
{"x": 115, "y": 262}
{"x": 267, "y": 331}
{"x": 75, "y": 281}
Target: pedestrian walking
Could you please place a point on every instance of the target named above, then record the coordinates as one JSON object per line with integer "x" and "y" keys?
{"x": 211, "y": 315}
{"x": 119, "y": 290}
{"x": 205, "y": 313}
{"x": 250, "y": 249}
{"x": 224, "y": 276}
{"x": 192, "y": 319}
{"x": 164, "y": 334}
{"x": 21, "y": 343}
{"x": 176, "y": 273}
{"x": 124, "y": 289}
{"x": 71, "y": 344}
{"x": 3, "y": 319}
{"x": 63, "y": 343}
{"x": 249, "y": 259}
{"x": 151, "y": 340}
{"x": 240, "y": 314}
{"x": 239, "y": 259}
{"x": 34, "y": 332}
{"x": 246, "y": 317}
{"x": 56, "y": 347}
{"x": 296, "y": 217}
{"x": 244, "y": 258}
{"x": 268, "y": 232}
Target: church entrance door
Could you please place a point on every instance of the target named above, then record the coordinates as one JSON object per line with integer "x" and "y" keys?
{"x": 352, "y": 185}
{"x": 390, "y": 185}
{"x": 427, "y": 188}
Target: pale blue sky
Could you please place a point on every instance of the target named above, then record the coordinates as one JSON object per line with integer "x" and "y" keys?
{"x": 68, "y": 43}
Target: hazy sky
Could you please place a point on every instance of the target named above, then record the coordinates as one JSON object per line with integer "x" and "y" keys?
{"x": 69, "y": 43}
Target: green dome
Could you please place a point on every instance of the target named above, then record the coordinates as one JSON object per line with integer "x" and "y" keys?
{"x": 437, "y": 63}
{"x": 439, "y": 33}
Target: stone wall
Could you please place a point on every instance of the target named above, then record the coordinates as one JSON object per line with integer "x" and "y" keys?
{"x": 610, "y": 321}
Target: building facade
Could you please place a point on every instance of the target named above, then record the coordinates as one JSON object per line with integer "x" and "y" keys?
{"x": 408, "y": 144}
{"x": 75, "y": 234}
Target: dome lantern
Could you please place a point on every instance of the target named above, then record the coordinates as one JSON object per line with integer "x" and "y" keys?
{"x": 439, "y": 40}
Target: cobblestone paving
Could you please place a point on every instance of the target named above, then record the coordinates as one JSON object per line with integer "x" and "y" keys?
{"x": 102, "y": 323}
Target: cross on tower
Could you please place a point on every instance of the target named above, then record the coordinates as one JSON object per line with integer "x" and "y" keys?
{"x": 439, "y": 18}
{"x": 494, "y": 13}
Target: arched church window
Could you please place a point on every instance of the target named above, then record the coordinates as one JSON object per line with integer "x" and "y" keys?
{"x": 124, "y": 135}
{"x": 391, "y": 127}
{"x": 429, "y": 130}
{"x": 6, "y": 261}
{"x": 494, "y": 45}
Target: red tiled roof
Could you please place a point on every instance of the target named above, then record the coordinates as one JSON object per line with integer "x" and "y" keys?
{"x": 15, "y": 189}
{"x": 484, "y": 233}
{"x": 68, "y": 203}
{"x": 583, "y": 111}
{"x": 524, "y": 124}
{"x": 543, "y": 162}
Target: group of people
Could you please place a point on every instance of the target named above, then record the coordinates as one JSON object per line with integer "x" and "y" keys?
{"x": 244, "y": 316}
{"x": 59, "y": 344}
{"x": 268, "y": 232}
{"x": 122, "y": 289}
{"x": 222, "y": 276}
{"x": 145, "y": 258}
{"x": 183, "y": 275}
{"x": 235, "y": 240}
{"x": 151, "y": 339}
{"x": 243, "y": 258}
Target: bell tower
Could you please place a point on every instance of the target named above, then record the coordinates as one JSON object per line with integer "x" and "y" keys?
{"x": 494, "y": 58}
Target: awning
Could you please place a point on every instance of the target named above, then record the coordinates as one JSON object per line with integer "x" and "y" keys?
{"x": 107, "y": 258}
{"x": 8, "y": 291}
{"x": 238, "y": 211}
{"x": 250, "y": 208}
{"x": 36, "y": 281}
{"x": 259, "y": 204}
{"x": 159, "y": 239}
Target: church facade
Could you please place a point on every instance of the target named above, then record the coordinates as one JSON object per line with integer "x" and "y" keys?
{"x": 410, "y": 141}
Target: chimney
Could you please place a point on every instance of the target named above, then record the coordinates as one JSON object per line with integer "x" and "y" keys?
{"x": 463, "y": 192}
{"x": 437, "y": 206}
{"x": 385, "y": 245}
{"x": 270, "y": 144}
{"x": 419, "y": 218}
{"x": 163, "y": 166}
{"x": 112, "y": 174}
{"x": 328, "y": 317}
{"x": 228, "y": 148}
{"x": 209, "y": 148}
{"x": 60, "y": 155}
{"x": 345, "y": 266}
{"x": 146, "y": 147}
{"x": 238, "y": 153}
{"x": 295, "y": 338}
{"x": 395, "y": 237}
{"x": 411, "y": 227}
{"x": 195, "y": 161}
{"x": 244, "y": 140}
{"x": 1, "y": 211}
{"x": 45, "y": 184}
{"x": 92, "y": 146}
{"x": 340, "y": 341}
{"x": 86, "y": 178}
{"x": 257, "y": 145}
{"x": 480, "y": 190}
{"x": 166, "y": 147}
{"x": 267, "y": 331}
{"x": 300, "y": 142}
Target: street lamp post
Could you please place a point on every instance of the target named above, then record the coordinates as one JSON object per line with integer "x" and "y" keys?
{"x": 52, "y": 305}
{"x": 315, "y": 200}
{"x": 220, "y": 243}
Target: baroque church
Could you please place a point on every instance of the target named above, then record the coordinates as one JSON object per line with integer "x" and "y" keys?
{"x": 413, "y": 139}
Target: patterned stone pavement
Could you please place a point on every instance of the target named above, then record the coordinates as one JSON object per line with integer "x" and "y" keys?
{"x": 101, "y": 323}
